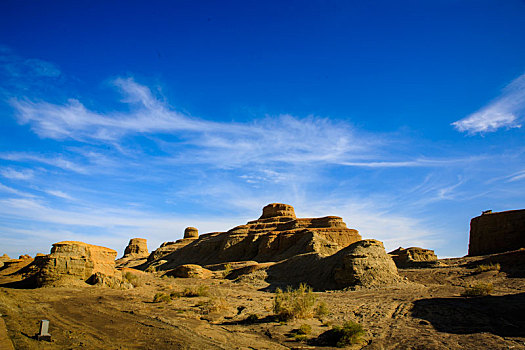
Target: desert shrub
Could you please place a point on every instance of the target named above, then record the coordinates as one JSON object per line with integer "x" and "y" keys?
{"x": 305, "y": 329}
{"x": 321, "y": 310}
{"x": 175, "y": 295}
{"x": 478, "y": 290}
{"x": 293, "y": 304}
{"x": 347, "y": 334}
{"x": 161, "y": 298}
{"x": 200, "y": 291}
{"x": 135, "y": 280}
{"x": 227, "y": 270}
{"x": 212, "y": 305}
{"x": 487, "y": 267}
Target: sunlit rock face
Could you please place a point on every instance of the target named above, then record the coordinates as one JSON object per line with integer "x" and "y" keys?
{"x": 137, "y": 248}
{"x": 75, "y": 261}
{"x": 278, "y": 234}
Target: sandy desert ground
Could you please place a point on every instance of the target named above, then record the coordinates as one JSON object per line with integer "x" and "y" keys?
{"x": 427, "y": 312}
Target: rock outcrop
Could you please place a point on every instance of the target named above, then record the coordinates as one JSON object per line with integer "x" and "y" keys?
{"x": 366, "y": 263}
{"x": 362, "y": 264}
{"x": 413, "y": 257}
{"x": 497, "y": 232}
{"x": 275, "y": 236}
{"x": 70, "y": 261}
{"x": 3, "y": 259}
{"x": 191, "y": 233}
{"x": 190, "y": 271}
{"x": 137, "y": 248}
{"x": 135, "y": 254}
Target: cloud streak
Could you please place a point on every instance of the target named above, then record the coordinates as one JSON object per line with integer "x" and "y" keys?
{"x": 281, "y": 139}
{"x": 506, "y": 111}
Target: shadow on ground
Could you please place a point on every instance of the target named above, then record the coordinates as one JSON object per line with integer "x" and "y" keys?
{"x": 500, "y": 315}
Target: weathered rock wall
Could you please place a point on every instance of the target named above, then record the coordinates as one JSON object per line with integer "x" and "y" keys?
{"x": 497, "y": 232}
{"x": 275, "y": 236}
{"x": 75, "y": 260}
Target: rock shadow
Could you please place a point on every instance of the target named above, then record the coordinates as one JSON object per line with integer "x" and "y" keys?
{"x": 500, "y": 315}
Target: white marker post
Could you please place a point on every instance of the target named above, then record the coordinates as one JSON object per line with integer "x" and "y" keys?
{"x": 44, "y": 331}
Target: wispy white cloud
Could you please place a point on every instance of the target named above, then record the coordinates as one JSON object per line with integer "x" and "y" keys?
{"x": 56, "y": 161}
{"x": 272, "y": 139}
{"x": 11, "y": 173}
{"x": 506, "y": 111}
{"x": 7, "y": 189}
{"x": 59, "y": 194}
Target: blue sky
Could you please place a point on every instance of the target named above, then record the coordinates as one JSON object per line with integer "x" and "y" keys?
{"x": 137, "y": 119}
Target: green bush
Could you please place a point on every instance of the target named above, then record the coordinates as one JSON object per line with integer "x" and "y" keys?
{"x": 478, "y": 290}
{"x": 487, "y": 267}
{"x": 161, "y": 298}
{"x": 321, "y": 310}
{"x": 293, "y": 304}
{"x": 347, "y": 334}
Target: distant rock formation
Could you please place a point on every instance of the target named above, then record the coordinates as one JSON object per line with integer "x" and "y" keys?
{"x": 70, "y": 261}
{"x": 275, "y": 236}
{"x": 135, "y": 254}
{"x": 190, "y": 235}
{"x": 497, "y": 232}
{"x": 413, "y": 257}
{"x": 3, "y": 259}
{"x": 137, "y": 248}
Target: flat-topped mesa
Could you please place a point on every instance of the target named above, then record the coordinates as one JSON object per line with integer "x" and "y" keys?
{"x": 497, "y": 232}
{"x": 275, "y": 236}
{"x": 77, "y": 261}
{"x": 137, "y": 248}
{"x": 276, "y": 210}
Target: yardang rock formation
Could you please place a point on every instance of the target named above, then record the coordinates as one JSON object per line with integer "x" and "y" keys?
{"x": 275, "y": 236}
{"x": 497, "y": 232}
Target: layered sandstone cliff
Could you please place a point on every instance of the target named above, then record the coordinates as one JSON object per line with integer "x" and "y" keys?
{"x": 70, "y": 260}
{"x": 497, "y": 232}
{"x": 275, "y": 236}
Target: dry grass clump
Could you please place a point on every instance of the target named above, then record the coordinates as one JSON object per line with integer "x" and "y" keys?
{"x": 347, "y": 334}
{"x": 161, "y": 298}
{"x": 298, "y": 303}
{"x": 227, "y": 270}
{"x": 213, "y": 305}
{"x": 200, "y": 291}
{"x": 321, "y": 310}
{"x": 301, "y": 333}
{"x": 478, "y": 290}
{"x": 134, "y": 279}
{"x": 487, "y": 267}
